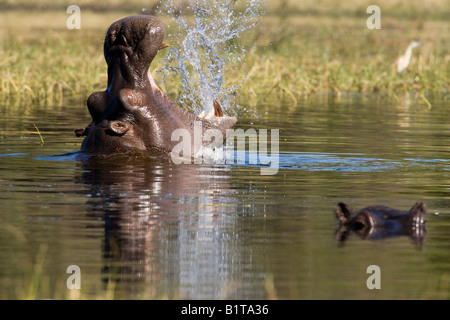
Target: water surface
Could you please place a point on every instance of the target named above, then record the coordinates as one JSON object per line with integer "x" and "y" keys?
{"x": 150, "y": 229}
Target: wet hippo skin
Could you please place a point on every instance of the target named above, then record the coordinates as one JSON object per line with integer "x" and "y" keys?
{"x": 377, "y": 222}
{"x": 133, "y": 116}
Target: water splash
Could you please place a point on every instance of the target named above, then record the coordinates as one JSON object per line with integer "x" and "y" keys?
{"x": 204, "y": 43}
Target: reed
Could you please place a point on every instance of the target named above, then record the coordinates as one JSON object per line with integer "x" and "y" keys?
{"x": 297, "y": 49}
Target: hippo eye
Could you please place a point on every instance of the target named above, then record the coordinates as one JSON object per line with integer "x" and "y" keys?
{"x": 362, "y": 220}
{"x": 359, "y": 225}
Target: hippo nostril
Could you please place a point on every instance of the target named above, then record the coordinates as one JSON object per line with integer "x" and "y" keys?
{"x": 119, "y": 127}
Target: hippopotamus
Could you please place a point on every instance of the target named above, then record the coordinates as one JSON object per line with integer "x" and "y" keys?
{"x": 377, "y": 222}
{"x": 133, "y": 116}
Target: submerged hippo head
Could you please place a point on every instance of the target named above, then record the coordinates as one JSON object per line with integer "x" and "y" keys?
{"x": 133, "y": 115}
{"x": 377, "y": 222}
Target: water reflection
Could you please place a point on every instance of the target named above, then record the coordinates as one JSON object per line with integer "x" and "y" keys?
{"x": 169, "y": 229}
{"x": 154, "y": 230}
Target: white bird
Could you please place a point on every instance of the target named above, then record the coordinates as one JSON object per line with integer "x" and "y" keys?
{"x": 402, "y": 62}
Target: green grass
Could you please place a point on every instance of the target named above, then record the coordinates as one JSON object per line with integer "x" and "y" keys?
{"x": 299, "y": 48}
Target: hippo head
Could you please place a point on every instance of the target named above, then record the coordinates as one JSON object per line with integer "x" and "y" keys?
{"x": 133, "y": 115}
{"x": 378, "y": 222}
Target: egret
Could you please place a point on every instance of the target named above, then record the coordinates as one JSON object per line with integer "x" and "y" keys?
{"x": 402, "y": 62}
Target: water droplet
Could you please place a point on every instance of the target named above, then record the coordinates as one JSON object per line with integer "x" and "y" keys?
{"x": 201, "y": 52}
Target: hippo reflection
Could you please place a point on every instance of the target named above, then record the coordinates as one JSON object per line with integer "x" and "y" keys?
{"x": 133, "y": 115}
{"x": 168, "y": 230}
{"x": 378, "y": 222}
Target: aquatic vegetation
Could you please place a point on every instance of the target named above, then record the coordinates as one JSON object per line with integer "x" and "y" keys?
{"x": 46, "y": 70}
{"x": 296, "y": 49}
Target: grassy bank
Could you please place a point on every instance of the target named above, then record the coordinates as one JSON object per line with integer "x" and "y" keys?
{"x": 299, "y": 48}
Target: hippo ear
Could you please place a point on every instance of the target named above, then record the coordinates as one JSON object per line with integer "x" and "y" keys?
{"x": 81, "y": 132}
{"x": 131, "y": 99}
{"x": 419, "y": 208}
{"x": 217, "y": 109}
{"x": 417, "y": 214}
{"x": 342, "y": 212}
{"x": 96, "y": 104}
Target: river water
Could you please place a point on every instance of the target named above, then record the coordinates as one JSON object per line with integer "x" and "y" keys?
{"x": 149, "y": 229}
